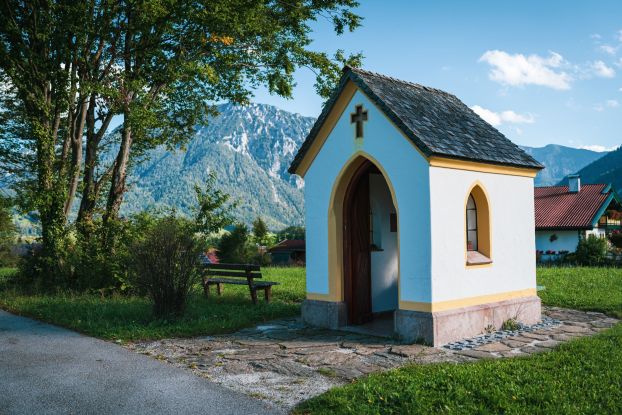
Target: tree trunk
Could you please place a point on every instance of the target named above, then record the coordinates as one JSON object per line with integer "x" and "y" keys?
{"x": 119, "y": 174}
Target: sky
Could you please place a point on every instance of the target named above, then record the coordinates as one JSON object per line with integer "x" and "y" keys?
{"x": 541, "y": 72}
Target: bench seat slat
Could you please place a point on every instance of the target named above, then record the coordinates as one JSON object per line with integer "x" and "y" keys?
{"x": 213, "y": 281}
{"x": 233, "y": 267}
{"x": 237, "y": 274}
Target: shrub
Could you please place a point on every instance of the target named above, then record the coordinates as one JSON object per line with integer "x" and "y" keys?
{"x": 236, "y": 247}
{"x": 165, "y": 262}
{"x": 591, "y": 251}
{"x": 616, "y": 239}
{"x": 511, "y": 324}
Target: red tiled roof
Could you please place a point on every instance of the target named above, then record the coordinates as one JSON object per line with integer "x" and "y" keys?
{"x": 557, "y": 208}
{"x": 289, "y": 245}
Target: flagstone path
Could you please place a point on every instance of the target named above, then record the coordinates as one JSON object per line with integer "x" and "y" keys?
{"x": 285, "y": 362}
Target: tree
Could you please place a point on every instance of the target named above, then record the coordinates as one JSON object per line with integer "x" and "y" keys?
{"x": 7, "y": 231}
{"x": 291, "y": 232}
{"x": 68, "y": 67}
{"x": 260, "y": 230}
{"x": 234, "y": 246}
{"x": 215, "y": 210}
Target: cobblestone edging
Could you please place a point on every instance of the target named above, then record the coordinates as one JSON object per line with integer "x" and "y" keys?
{"x": 497, "y": 336}
{"x": 284, "y": 362}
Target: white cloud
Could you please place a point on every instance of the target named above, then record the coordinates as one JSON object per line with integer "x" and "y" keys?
{"x": 598, "y": 148}
{"x": 620, "y": 35}
{"x": 608, "y": 49}
{"x": 504, "y": 117}
{"x": 612, "y": 103}
{"x": 518, "y": 69}
{"x": 595, "y": 36}
{"x": 601, "y": 69}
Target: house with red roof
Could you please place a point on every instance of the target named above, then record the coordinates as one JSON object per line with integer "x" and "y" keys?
{"x": 566, "y": 214}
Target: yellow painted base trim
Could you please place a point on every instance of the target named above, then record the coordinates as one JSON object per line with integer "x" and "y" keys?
{"x": 465, "y": 302}
{"x": 322, "y": 297}
{"x": 447, "y": 163}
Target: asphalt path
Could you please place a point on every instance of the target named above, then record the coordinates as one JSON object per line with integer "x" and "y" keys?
{"x": 45, "y": 369}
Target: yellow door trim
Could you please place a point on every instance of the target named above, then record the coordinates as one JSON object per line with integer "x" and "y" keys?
{"x": 335, "y": 222}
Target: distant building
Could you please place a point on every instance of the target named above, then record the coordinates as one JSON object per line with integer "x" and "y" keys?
{"x": 210, "y": 257}
{"x": 288, "y": 252}
{"x": 567, "y": 214}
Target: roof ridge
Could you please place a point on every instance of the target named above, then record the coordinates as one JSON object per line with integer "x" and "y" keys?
{"x": 582, "y": 185}
{"x": 402, "y": 81}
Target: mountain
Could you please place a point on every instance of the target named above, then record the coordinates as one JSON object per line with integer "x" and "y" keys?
{"x": 249, "y": 148}
{"x": 560, "y": 161}
{"x": 607, "y": 169}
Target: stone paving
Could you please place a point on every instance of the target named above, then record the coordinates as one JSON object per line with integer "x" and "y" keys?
{"x": 285, "y": 362}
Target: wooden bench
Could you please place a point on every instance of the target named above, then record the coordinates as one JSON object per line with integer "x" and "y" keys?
{"x": 236, "y": 274}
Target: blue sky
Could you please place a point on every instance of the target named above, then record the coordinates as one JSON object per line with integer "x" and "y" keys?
{"x": 540, "y": 71}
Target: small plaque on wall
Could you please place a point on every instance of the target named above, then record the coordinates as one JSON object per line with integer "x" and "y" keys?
{"x": 393, "y": 222}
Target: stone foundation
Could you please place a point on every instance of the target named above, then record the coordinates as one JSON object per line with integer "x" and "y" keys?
{"x": 325, "y": 314}
{"x": 443, "y": 327}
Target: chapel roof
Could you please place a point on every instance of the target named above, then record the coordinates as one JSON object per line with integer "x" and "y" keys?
{"x": 557, "y": 208}
{"x": 437, "y": 122}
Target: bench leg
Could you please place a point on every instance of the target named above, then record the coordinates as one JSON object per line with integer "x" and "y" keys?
{"x": 268, "y": 293}
{"x": 205, "y": 289}
{"x": 253, "y": 294}
{"x": 219, "y": 288}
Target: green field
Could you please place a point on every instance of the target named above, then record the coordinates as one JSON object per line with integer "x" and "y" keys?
{"x": 580, "y": 377}
{"x": 129, "y": 318}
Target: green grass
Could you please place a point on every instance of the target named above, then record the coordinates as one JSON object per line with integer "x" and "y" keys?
{"x": 580, "y": 377}
{"x": 129, "y": 317}
{"x": 590, "y": 289}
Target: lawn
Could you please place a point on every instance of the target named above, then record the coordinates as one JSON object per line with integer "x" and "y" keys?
{"x": 129, "y": 318}
{"x": 580, "y": 377}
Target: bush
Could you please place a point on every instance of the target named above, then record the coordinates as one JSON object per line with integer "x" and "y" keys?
{"x": 592, "y": 250}
{"x": 165, "y": 262}
{"x": 616, "y": 239}
{"x": 235, "y": 247}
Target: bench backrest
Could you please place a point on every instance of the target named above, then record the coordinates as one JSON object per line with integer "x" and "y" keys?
{"x": 233, "y": 270}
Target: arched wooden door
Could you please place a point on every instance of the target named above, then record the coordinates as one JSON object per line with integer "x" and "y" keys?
{"x": 356, "y": 244}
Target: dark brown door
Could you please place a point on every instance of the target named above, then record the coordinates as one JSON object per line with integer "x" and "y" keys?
{"x": 357, "y": 257}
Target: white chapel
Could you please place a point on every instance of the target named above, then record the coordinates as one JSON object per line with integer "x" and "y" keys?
{"x": 418, "y": 212}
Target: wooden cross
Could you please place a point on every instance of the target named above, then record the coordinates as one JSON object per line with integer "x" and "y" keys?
{"x": 358, "y": 117}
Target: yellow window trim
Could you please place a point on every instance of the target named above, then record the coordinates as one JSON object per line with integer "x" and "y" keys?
{"x": 484, "y": 223}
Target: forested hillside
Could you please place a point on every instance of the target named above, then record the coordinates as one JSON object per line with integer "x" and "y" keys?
{"x": 249, "y": 148}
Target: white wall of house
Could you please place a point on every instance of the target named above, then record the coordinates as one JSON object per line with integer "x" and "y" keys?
{"x": 383, "y": 262}
{"x": 512, "y": 240}
{"x": 407, "y": 171}
{"x": 599, "y": 232}
{"x": 566, "y": 240}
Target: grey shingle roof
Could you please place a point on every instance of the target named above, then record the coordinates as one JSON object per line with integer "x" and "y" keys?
{"x": 438, "y": 123}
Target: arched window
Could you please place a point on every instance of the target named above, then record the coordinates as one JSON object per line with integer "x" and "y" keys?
{"x": 477, "y": 211}
{"x": 471, "y": 220}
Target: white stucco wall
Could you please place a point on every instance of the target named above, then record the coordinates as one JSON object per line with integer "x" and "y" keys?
{"x": 512, "y": 240}
{"x": 408, "y": 172}
{"x": 384, "y": 262}
{"x": 566, "y": 240}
